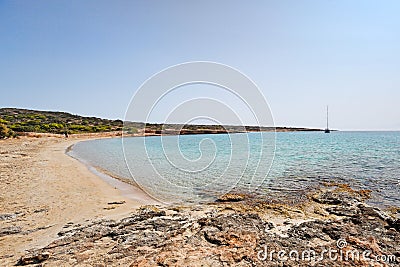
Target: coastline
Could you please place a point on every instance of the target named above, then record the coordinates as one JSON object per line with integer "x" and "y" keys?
{"x": 332, "y": 225}
{"x": 44, "y": 189}
{"x": 128, "y": 188}
{"x": 56, "y": 211}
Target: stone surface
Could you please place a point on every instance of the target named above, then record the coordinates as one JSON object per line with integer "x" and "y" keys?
{"x": 10, "y": 230}
{"x": 8, "y": 216}
{"x": 33, "y": 258}
{"x": 245, "y": 233}
{"x": 230, "y": 197}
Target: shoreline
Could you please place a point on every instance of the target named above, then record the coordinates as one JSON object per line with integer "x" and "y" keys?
{"x": 127, "y": 187}
{"x": 44, "y": 190}
{"x": 55, "y": 210}
{"x": 235, "y": 232}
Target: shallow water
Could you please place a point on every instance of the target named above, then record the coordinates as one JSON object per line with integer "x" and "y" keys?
{"x": 199, "y": 167}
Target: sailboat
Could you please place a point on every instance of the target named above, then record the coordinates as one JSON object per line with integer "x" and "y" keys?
{"x": 327, "y": 120}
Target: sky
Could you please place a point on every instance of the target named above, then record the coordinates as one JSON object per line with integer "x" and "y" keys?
{"x": 90, "y": 57}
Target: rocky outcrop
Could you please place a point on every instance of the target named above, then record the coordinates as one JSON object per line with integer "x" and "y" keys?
{"x": 33, "y": 258}
{"x": 230, "y": 197}
{"x": 249, "y": 232}
{"x": 10, "y": 230}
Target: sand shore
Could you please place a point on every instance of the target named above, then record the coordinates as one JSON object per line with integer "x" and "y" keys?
{"x": 43, "y": 189}
{"x": 56, "y": 212}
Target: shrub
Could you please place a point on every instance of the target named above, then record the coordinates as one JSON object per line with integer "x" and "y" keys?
{"x": 5, "y": 132}
{"x": 131, "y": 130}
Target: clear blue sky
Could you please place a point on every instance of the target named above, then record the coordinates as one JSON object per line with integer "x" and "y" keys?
{"x": 89, "y": 57}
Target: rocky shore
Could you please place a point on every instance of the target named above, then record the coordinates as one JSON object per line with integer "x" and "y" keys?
{"x": 330, "y": 226}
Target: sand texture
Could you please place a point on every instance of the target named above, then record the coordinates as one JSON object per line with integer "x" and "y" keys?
{"x": 55, "y": 212}
{"x": 42, "y": 189}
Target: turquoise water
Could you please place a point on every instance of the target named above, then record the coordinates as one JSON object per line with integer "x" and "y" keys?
{"x": 192, "y": 168}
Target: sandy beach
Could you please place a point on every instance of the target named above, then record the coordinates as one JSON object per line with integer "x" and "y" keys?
{"x": 43, "y": 190}
{"x": 56, "y": 212}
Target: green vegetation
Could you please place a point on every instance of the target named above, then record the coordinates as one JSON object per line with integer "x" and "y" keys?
{"x": 22, "y": 120}
{"x": 130, "y": 130}
{"x": 5, "y": 132}
{"x": 15, "y": 120}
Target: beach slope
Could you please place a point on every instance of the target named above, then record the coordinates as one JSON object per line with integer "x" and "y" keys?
{"x": 43, "y": 190}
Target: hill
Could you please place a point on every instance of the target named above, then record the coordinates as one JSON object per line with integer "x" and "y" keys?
{"x": 25, "y": 120}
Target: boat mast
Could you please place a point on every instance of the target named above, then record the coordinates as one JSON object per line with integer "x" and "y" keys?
{"x": 327, "y": 117}
{"x": 327, "y": 121}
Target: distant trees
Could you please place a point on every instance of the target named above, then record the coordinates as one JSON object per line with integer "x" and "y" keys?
{"x": 22, "y": 120}
{"x": 130, "y": 130}
{"x": 5, "y": 132}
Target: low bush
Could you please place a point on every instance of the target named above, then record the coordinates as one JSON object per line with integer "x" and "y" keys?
{"x": 5, "y": 132}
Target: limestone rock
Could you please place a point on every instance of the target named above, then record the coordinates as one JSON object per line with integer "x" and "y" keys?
{"x": 231, "y": 197}
{"x": 34, "y": 258}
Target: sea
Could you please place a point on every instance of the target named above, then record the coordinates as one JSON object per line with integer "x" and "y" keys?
{"x": 199, "y": 168}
